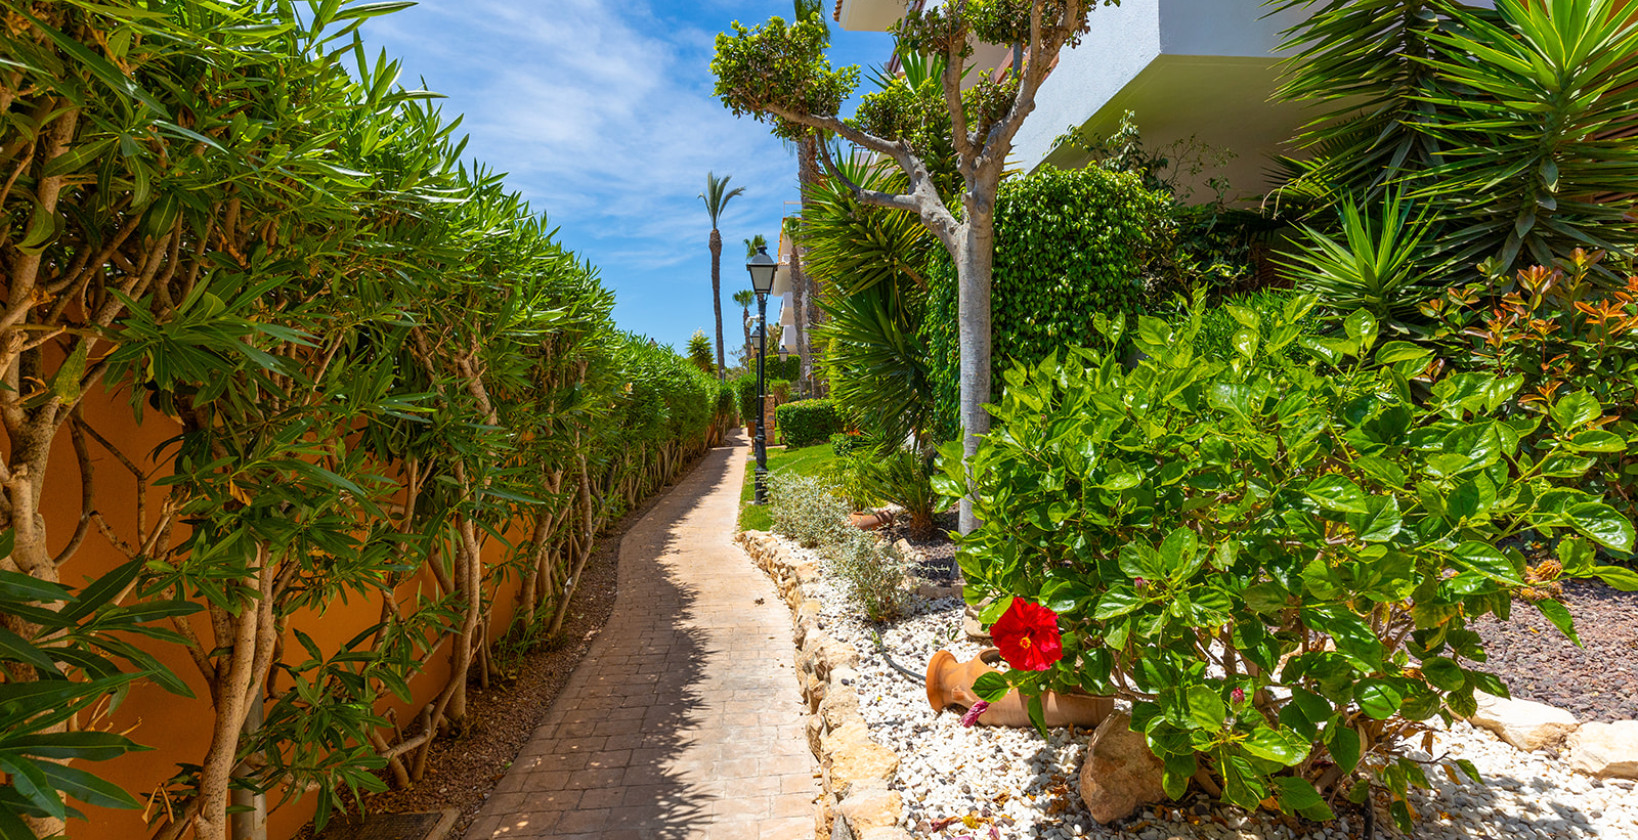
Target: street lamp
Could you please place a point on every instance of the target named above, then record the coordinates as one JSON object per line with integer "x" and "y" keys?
{"x": 762, "y": 268}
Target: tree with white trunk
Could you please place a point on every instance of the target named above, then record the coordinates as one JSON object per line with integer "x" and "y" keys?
{"x": 952, "y": 144}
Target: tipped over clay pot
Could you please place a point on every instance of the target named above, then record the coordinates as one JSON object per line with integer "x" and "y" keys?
{"x": 871, "y": 520}
{"x": 950, "y": 683}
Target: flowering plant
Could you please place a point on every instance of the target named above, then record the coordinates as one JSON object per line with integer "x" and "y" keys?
{"x": 1027, "y": 635}
{"x": 1277, "y": 566}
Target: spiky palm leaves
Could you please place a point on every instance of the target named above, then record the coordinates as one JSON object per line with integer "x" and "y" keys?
{"x": 716, "y": 198}
{"x": 1509, "y": 126}
{"x": 874, "y": 259}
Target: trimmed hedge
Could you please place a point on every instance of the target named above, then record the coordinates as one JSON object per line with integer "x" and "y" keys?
{"x": 1069, "y": 244}
{"x": 807, "y": 422}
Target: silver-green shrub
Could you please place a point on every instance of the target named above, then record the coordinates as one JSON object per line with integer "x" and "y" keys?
{"x": 874, "y": 571}
{"x": 807, "y": 509}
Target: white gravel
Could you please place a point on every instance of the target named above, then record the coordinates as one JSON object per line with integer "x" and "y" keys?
{"x": 1007, "y": 783}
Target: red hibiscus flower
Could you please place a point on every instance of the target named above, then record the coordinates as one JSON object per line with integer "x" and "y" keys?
{"x": 1027, "y": 634}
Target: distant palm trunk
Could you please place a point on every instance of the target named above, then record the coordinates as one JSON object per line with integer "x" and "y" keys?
{"x": 716, "y": 294}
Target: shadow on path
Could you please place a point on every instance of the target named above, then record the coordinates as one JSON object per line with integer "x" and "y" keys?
{"x": 684, "y": 720}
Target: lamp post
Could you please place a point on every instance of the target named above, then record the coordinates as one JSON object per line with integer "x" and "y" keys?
{"x": 762, "y": 268}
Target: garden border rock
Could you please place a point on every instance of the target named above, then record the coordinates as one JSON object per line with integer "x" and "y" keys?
{"x": 856, "y": 771}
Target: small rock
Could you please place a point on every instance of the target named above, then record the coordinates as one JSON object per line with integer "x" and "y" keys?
{"x": 871, "y": 808}
{"x": 1120, "y": 774}
{"x": 1606, "y": 750}
{"x": 1525, "y": 724}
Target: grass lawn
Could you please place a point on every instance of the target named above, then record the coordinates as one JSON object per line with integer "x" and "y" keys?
{"x": 808, "y": 460}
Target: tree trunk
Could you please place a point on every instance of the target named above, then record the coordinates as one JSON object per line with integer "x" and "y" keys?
{"x": 807, "y": 313}
{"x": 975, "y": 260}
{"x": 716, "y": 292}
{"x": 746, "y": 323}
{"x": 799, "y": 300}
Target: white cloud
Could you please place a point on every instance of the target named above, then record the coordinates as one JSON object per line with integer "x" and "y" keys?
{"x": 600, "y": 113}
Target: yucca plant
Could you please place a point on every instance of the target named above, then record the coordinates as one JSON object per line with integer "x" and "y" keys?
{"x": 1508, "y": 125}
{"x": 1374, "y": 266}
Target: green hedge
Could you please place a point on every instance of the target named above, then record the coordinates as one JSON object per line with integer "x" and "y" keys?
{"x": 788, "y": 368}
{"x": 1068, "y": 245}
{"x": 807, "y": 422}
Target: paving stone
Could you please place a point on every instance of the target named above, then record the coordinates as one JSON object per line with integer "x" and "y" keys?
{"x": 686, "y": 717}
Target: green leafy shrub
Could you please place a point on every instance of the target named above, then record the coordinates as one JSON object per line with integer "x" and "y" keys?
{"x": 844, "y": 444}
{"x": 807, "y": 509}
{"x": 1277, "y": 566}
{"x": 875, "y": 573}
{"x": 806, "y": 422}
{"x": 1219, "y": 325}
{"x": 902, "y": 477}
{"x": 745, "y": 395}
{"x": 1069, "y": 244}
{"x": 783, "y": 368}
{"x": 1559, "y": 333}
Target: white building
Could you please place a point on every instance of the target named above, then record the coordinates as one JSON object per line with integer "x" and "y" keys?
{"x": 1201, "y": 68}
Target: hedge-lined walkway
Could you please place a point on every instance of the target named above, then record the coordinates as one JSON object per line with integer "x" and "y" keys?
{"x": 684, "y": 720}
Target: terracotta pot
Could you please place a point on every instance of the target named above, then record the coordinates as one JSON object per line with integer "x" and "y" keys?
{"x": 950, "y": 683}
{"x": 870, "y": 521}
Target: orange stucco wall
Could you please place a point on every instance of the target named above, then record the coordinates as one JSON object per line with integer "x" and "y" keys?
{"x": 179, "y": 728}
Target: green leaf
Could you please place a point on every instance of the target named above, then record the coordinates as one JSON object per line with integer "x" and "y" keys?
{"x": 1444, "y": 673}
{"x": 1380, "y": 522}
{"x": 1180, "y": 554}
{"x": 1352, "y": 635}
{"x": 1601, "y": 523}
{"x": 1596, "y": 440}
{"x": 1378, "y": 698}
{"x": 1299, "y": 796}
{"x": 1400, "y": 351}
{"x": 87, "y": 787}
{"x": 1361, "y": 327}
{"x": 1618, "y": 577}
{"x": 1343, "y": 744}
{"x": 1337, "y": 493}
{"x": 1559, "y": 615}
{"x": 1575, "y": 410}
{"x": 1285, "y": 748}
{"x": 1115, "y": 603}
{"x": 1486, "y": 560}
{"x": 991, "y": 687}
{"x": 1206, "y": 709}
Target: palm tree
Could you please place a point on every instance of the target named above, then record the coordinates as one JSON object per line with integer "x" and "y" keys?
{"x": 716, "y": 197}
{"x": 746, "y": 297}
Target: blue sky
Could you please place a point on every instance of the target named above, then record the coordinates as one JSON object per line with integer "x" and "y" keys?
{"x": 602, "y": 113}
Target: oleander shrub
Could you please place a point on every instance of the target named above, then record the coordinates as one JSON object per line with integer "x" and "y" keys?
{"x": 875, "y": 573}
{"x": 745, "y": 395}
{"x": 1277, "y": 566}
{"x": 1069, "y": 244}
{"x": 807, "y": 509}
{"x": 806, "y": 422}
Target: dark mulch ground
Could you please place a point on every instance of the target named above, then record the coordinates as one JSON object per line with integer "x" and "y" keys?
{"x": 940, "y": 564}
{"x": 1596, "y": 682}
{"x": 463, "y": 770}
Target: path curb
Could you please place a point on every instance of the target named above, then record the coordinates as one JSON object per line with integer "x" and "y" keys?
{"x": 856, "y": 771}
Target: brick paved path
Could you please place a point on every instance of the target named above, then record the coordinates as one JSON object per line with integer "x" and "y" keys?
{"x": 684, "y": 720}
